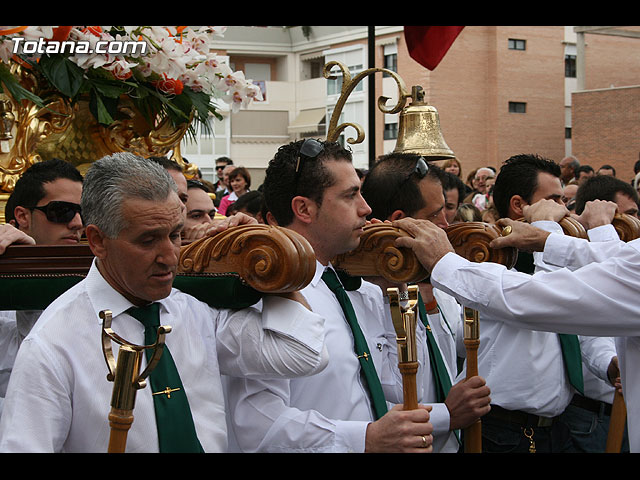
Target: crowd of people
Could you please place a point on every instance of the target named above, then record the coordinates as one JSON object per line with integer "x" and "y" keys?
{"x": 293, "y": 373}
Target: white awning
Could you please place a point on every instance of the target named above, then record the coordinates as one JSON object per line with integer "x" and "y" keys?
{"x": 308, "y": 121}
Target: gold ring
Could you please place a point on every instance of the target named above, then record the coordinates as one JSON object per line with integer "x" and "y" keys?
{"x": 424, "y": 441}
{"x": 506, "y": 230}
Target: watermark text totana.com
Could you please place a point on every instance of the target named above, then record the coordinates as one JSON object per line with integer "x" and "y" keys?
{"x": 113, "y": 47}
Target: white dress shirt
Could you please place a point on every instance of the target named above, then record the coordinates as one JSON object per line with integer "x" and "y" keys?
{"x": 14, "y": 327}
{"x": 58, "y": 399}
{"x": 524, "y": 368}
{"x": 599, "y": 298}
{"x": 327, "y": 412}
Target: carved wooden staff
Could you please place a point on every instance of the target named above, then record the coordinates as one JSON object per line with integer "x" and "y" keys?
{"x": 404, "y": 322}
{"x": 473, "y": 433}
{"x": 126, "y": 377}
{"x": 471, "y": 241}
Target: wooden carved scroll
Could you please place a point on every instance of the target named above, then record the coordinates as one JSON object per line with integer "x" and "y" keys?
{"x": 378, "y": 256}
{"x": 471, "y": 241}
{"x": 573, "y": 228}
{"x": 627, "y": 227}
{"x": 270, "y": 259}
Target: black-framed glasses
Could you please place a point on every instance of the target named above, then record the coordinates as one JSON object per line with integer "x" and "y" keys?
{"x": 58, "y": 211}
{"x": 310, "y": 148}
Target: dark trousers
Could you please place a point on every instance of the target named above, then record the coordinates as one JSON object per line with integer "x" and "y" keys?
{"x": 505, "y": 431}
{"x": 588, "y": 424}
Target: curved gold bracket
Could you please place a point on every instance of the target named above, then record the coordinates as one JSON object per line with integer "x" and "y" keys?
{"x": 404, "y": 317}
{"x": 125, "y": 371}
{"x": 348, "y": 84}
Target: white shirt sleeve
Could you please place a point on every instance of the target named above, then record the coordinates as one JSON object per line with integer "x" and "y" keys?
{"x": 287, "y": 340}
{"x": 564, "y": 301}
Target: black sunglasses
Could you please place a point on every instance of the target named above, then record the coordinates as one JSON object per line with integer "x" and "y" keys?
{"x": 310, "y": 148}
{"x": 58, "y": 211}
{"x": 421, "y": 169}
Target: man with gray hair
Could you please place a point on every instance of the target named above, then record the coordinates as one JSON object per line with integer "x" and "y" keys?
{"x": 58, "y": 396}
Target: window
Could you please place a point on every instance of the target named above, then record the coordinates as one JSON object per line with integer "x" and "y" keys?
{"x": 570, "y": 66}
{"x": 567, "y": 132}
{"x": 517, "y": 107}
{"x": 390, "y": 131}
{"x": 515, "y": 44}
{"x": 334, "y": 85}
{"x": 390, "y": 58}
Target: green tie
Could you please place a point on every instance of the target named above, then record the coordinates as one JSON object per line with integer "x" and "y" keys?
{"x": 572, "y": 360}
{"x": 439, "y": 369}
{"x": 360, "y": 343}
{"x": 176, "y": 431}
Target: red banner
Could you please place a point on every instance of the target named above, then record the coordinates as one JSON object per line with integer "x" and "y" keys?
{"x": 428, "y": 45}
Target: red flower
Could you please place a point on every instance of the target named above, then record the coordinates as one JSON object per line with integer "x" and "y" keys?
{"x": 61, "y": 33}
{"x": 93, "y": 30}
{"x": 171, "y": 86}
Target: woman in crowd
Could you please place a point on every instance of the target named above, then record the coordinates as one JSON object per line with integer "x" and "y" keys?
{"x": 240, "y": 182}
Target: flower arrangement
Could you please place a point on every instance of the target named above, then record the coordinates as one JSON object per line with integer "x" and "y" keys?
{"x": 167, "y": 71}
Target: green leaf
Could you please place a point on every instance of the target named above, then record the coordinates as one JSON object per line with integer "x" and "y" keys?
{"x": 17, "y": 91}
{"x": 103, "y": 109}
{"x": 62, "y": 73}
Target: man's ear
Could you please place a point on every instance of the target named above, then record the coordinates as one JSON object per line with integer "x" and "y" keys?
{"x": 22, "y": 217}
{"x": 304, "y": 209}
{"x": 517, "y": 204}
{"x": 397, "y": 215}
{"x": 96, "y": 240}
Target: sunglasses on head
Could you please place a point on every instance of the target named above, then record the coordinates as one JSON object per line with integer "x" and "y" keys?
{"x": 310, "y": 148}
{"x": 58, "y": 211}
{"x": 420, "y": 170}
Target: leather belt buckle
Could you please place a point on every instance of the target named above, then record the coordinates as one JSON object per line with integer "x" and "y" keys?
{"x": 545, "y": 421}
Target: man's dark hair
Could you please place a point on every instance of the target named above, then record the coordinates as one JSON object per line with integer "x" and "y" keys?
{"x": 197, "y": 184}
{"x": 392, "y": 185}
{"x": 603, "y": 187}
{"x": 453, "y": 182}
{"x": 282, "y": 184}
{"x": 583, "y": 168}
{"x": 519, "y": 176}
{"x": 250, "y": 201}
{"x": 226, "y": 160}
{"x": 166, "y": 163}
{"x": 608, "y": 167}
{"x": 29, "y": 188}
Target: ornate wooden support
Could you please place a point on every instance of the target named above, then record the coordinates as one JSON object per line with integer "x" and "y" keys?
{"x": 377, "y": 256}
{"x": 471, "y": 241}
{"x": 270, "y": 259}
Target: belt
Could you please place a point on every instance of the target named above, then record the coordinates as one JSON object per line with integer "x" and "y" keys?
{"x": 520, "y": 418}
{"x": 590, "y": 404}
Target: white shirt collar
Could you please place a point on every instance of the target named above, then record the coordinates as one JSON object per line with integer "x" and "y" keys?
{"x": 104, "y": 297}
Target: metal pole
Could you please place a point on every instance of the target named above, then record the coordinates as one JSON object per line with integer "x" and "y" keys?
{"x": 371, "y": 52}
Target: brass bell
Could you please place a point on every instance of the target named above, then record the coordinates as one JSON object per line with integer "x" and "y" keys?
{"x": 419, "y": 130}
